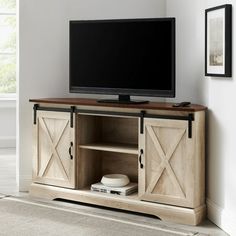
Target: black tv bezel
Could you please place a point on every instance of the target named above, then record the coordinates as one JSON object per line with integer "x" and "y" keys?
{"x": 123, "y": 91}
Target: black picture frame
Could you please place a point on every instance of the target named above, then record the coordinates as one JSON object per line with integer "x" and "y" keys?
{"x": 218, "y": 41}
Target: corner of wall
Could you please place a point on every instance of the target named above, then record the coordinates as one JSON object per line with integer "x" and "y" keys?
{"x": 223, "y": 218}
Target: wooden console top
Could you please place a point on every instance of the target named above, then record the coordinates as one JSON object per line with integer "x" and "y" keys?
{"x": 93, "y": 102}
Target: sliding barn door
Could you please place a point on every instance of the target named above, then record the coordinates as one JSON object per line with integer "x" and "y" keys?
{"x": 167, "y": 175}
{"x": 54, "y": 155}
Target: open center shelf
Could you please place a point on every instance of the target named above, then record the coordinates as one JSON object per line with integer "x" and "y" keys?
{"x": 112, "y": 147}
{"x": 106, "y": 145}
{"x": 104, "y": 133}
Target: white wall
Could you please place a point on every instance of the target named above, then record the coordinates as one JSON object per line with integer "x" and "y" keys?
{"x": 190, "y": 82}
{"x": 222, "y": 136}
{"x": 7, "y": 123}
{"x": 43, "y": 53}
{"x": 218, "y": 94}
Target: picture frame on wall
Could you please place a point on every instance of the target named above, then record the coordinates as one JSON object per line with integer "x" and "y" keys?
{"x": 218, "y": 41}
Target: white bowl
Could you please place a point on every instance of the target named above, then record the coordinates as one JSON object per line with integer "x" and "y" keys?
{"x": 115, "y": 180}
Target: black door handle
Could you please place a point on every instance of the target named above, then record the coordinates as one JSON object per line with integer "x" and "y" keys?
{"x": 71, "y": 145}
{"x": 140, "y": 158}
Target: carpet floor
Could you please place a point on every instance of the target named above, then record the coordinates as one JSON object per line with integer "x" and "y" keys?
{"x": 26, "y": 217}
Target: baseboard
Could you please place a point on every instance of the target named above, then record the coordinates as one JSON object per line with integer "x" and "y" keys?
{"x": 223, "y": 218}
{"x": 7, "y": 142}
{"x": 24, "y": 183}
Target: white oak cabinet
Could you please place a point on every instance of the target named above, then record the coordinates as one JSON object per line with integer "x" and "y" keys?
{"x": 54, "y": 158}
{"x": 173, "y": 171}
{"x": 161, "y": 148}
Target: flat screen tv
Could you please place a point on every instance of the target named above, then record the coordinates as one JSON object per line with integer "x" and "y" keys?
{"x": 123, "y": 57}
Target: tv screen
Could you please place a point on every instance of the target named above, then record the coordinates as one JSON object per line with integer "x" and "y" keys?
{"x": 123, "y": 57}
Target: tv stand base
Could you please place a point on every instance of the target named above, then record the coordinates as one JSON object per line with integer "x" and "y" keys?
{"x": 131, "y": 203}
{"x": 123, "y": 99}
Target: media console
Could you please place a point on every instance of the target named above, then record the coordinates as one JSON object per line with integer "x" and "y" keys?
{"x": 160, "y": 147}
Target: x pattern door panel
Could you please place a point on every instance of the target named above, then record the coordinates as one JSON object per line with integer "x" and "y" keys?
{"x": 168, "y": 162}
{"x": 54, "y": 164}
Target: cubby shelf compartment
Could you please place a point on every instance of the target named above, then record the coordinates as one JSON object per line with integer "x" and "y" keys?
{"x": 112, "y": 147}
